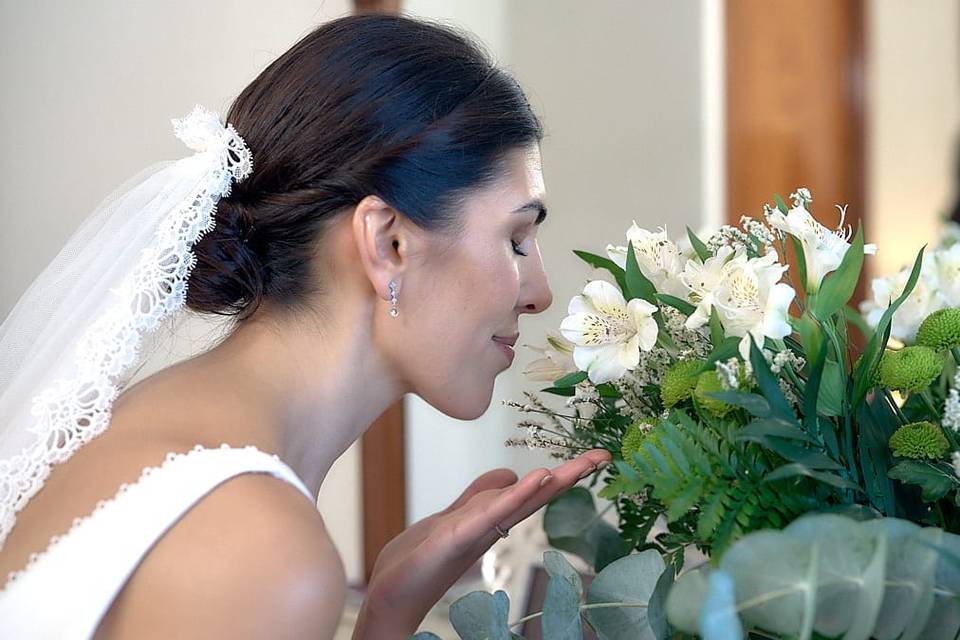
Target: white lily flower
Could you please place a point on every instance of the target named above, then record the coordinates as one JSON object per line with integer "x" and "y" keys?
{"x": 607, "y": 331}
{"x": 823, "y": 249}
{"x": 751, "y": 301}
{"x": 555, "y": 362}
{"x": 704, "y": 279}
{"x": 659, "y": 259}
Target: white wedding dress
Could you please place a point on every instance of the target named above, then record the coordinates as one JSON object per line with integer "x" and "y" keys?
{"x": 65, "y": 591}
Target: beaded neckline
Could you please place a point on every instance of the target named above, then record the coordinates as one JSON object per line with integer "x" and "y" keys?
{"x": 171, "y": 460}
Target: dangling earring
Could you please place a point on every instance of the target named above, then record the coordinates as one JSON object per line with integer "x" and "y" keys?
{"x": 394, "y": 311}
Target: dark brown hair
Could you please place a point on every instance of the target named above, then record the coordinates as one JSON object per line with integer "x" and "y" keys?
{"x": 407, "y": 110}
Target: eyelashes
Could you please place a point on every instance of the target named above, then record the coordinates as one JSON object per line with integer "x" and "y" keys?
{"x": 516, "y": 248}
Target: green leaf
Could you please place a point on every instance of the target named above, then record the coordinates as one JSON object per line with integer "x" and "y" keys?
{"x": 768, "y": 384}
{"x": 572, "y": 524}
{"x": 810, "y": 337}
{"x": 567, "y": 392}
{"x": 680, "y": 305}
{"x": 935, "y": 482}
{"x": 717, "y": 334}
{"x": 571, "y": 379}
{"x": 794, "y": 469}
{"x": 838, "y": 287}
{"x": 703, "y": 252}
{"x": 640, "y": 582}
{"x": 755, "y": 405}
{"x": 801, "y": 261}
{"x": 561, "y": 606}
{"x": 637, "y": 284}
{"x": 481, "y": 616}
{"x": 600, "y": 262}
{"x": 773, "y": 427}
{"x": 871, "y": 355}
{"x": 830, "y": 398}
{"x": 781, "y": 204}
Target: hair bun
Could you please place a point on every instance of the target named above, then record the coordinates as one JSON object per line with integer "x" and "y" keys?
{"x": 228, "y": 277}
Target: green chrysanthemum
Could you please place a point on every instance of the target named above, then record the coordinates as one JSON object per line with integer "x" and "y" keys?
{"x": 634, "y": 437}
{"x": 678, "y": 382}
{"x": 910, "y": 369}
{"x": 940, "y": 329}
{"x": 708, "y": 382}
{"x": 875, "y": 379}
{"x": 919, "y": 440}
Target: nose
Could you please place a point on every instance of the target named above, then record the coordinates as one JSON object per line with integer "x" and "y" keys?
{"x": 535, "y": 294}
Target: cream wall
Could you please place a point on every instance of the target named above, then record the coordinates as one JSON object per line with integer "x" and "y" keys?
{"x": 87, "y": 91}
{"x": 913, "y": 127}
{"x": 619, "y": 88}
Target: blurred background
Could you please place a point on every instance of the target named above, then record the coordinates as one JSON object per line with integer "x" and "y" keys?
{"x": 671, "y": 114}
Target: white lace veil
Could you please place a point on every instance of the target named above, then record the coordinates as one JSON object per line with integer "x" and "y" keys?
{"x": 76, "y": 337}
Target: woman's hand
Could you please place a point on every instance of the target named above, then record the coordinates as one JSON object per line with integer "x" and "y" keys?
{"x": 417, "y": 567}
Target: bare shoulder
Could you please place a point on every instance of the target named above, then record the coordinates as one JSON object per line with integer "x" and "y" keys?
{"x": 253, "y": 559}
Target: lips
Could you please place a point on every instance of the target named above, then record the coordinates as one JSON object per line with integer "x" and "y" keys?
{"x": 510, "y": 341}
{"x": 505, "y": 344}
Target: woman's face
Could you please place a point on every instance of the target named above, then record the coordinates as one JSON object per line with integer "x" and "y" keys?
{"x": 461, "y": 302}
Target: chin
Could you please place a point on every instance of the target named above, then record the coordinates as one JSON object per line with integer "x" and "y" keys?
{"x": 462, "y": 405}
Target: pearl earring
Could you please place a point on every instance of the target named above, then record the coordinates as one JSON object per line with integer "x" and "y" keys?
{"x": 394, "y": 311}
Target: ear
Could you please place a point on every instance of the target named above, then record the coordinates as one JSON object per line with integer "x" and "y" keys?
{"x": 382, "y": 240}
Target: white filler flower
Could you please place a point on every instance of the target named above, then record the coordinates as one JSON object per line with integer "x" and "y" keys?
{"x": 751, "y": 301}
{"x": 608, "y": 332}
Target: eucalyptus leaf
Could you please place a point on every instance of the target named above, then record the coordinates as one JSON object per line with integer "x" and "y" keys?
{"x": 640, "y": 582}
{"x": 561, "y": 607}
{"x": 685, "y": 600}
{"x": 572, "y": 524}
{"x": 719, "y": 620}
{"x": 424, "y": 635}
{"x": 481, "y": 616}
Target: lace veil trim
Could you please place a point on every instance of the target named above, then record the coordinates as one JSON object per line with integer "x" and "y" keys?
{"x": 71, "y": 411}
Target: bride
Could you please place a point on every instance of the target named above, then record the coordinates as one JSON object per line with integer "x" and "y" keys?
{"x": 377, "y": 191}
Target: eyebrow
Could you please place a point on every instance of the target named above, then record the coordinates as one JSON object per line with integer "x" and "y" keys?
{"x": 534, "y": 205}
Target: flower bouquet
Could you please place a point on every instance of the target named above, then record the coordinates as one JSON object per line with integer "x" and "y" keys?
{"x": 809, "y": 451}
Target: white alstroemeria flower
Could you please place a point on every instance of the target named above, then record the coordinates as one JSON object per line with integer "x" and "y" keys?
{"x": 923, "y": 300}
{"x": 658, "y": 257}
{"x": 947, "y": 265}
{"x": 555, "y": 362}
{"x": 704, "y": 279}
{"x": 823, "y": 249}
{"x": 607, "y": 331}
{"x": 751, "y": 301}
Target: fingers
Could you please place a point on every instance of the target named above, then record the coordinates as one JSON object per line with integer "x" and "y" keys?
{"x": 561, "y": 478}
{"x": 495, "y": 479}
